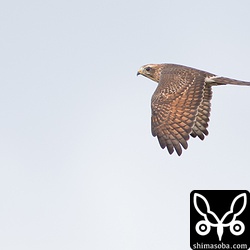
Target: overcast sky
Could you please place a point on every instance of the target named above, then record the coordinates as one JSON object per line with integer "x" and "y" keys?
{"x": 79, "y": 168}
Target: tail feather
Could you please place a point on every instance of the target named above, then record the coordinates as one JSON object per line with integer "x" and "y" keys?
{"x": 219, "y": 80}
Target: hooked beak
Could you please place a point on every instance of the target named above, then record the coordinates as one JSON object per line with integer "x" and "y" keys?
{"x": 140, "y": 71}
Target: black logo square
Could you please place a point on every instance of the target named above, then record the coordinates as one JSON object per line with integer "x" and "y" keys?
{"x": 220, "y": 219}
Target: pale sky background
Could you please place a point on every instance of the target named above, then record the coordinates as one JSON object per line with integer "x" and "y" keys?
{"x": 79, "y": 168}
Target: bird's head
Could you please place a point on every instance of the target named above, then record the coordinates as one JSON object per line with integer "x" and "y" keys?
{"x": 151, "y": 71}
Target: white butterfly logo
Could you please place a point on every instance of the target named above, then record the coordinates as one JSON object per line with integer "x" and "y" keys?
{"x": 203, "y": 227}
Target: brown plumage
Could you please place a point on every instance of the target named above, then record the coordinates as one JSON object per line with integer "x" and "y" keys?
{"x": 181, "y": 102}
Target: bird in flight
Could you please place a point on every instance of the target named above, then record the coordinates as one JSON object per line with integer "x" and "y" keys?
{"x": 181, "y": 103}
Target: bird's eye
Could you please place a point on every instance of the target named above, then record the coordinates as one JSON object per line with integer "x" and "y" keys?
{"x": 147, "y": 69}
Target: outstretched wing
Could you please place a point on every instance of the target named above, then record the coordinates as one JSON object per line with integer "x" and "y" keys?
{"x": 175, "y": 105}
{"x": 201, "y": 121}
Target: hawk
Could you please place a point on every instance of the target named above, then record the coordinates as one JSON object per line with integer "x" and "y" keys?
{"x": 181, "y": 103}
